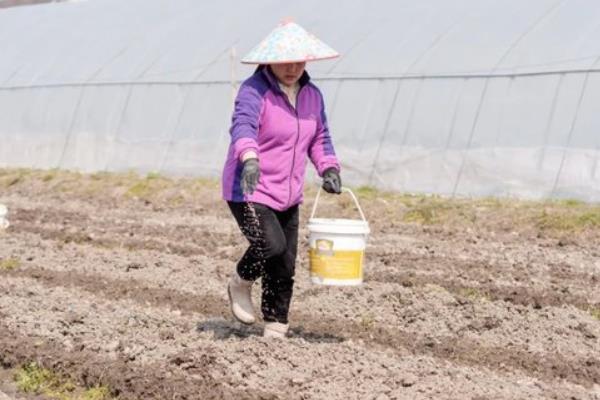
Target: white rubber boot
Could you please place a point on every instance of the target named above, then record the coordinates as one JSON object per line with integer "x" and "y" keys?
{"x": 275, "y": 330}
{"x": 240, "y": 299}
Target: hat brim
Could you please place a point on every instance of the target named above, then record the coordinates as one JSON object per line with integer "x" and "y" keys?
{"x": 289, "y": 61}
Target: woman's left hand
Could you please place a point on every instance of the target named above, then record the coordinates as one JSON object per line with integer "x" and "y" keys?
{"x": 332, "y": 183}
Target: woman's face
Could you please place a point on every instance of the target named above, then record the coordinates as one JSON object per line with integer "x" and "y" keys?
{"x": 288, "y": 73}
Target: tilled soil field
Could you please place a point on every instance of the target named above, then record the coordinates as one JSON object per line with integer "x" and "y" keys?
{"x": 121, "y": 281}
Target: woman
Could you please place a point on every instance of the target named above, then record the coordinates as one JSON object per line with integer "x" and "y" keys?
{"x": 279, "y": 120}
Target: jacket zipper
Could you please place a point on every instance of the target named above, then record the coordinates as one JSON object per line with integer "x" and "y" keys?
{"x": 295, "y": 145}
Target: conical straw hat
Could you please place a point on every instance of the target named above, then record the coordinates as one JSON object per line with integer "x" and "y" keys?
{"x": 289, "y": 42}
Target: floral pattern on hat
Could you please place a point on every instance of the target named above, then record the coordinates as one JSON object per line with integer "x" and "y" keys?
{"x": 289, "y": 42}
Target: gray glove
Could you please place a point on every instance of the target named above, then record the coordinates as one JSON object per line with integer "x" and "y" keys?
{"x": 250, "y": 175}
{"x": 332, "y": 183}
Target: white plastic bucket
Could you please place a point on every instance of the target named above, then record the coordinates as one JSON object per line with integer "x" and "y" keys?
{"x": 3, "y": 221}
{"x": 337, "y": 247}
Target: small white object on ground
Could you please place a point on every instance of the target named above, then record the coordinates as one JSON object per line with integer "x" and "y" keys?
{"x": 3, "y": 396}
{"x": 3, "y": 222}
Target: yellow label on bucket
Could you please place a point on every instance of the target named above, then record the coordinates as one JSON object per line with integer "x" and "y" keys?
{"x": 337, "y": 265}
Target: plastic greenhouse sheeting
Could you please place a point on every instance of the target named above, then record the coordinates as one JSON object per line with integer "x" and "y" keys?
{"x": 468, "y": 97}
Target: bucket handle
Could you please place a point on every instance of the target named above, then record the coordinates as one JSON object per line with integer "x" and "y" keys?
{"x": 344, "y": 189}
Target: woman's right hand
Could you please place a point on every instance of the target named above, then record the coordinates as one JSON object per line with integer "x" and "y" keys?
{"x": 250, "y": 175}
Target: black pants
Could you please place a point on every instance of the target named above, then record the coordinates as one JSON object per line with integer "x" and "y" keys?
{"x": 273, "y": 237}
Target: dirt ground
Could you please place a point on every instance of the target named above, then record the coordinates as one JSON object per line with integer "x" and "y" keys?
{"x": 118, "y": 280}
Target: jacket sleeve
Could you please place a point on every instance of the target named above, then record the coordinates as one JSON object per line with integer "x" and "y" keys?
{"x": 321, "y": 151}
{"x": 245, "y": 121}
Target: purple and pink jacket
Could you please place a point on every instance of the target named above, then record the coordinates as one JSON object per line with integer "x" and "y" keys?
{"x": 265, "y": 122}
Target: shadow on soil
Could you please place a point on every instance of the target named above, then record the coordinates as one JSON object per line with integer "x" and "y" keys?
{"x": 223, "y": 329}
